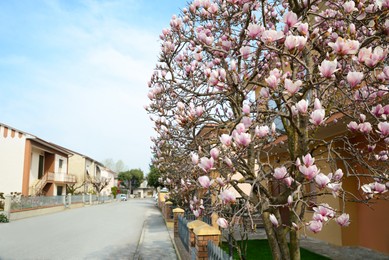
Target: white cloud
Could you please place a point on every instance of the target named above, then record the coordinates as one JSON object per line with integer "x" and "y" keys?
{"x": 85, "y": 86}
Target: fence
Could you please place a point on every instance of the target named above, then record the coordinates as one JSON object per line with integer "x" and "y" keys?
{"x": 24, "y": 203}
{"x": 183, "y": 231}
{"x": 216, "y": 253}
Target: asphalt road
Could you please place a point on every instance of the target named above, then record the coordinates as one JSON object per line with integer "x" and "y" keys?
{"x": 107, "y": 231}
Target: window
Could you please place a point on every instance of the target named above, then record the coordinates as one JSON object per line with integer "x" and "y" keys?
{"x": 40, "y": 166}
{"x": 60, "y": 163}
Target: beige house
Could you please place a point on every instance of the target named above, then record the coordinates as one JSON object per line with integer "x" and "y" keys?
{"x": 32, "y": 166}
{"x": 89, "y": 170}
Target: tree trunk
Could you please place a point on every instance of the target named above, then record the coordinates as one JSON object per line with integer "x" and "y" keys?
{"x": 271, "y": 236}
{"x": 281, "y": 238}
{"x": 294, "y": 240}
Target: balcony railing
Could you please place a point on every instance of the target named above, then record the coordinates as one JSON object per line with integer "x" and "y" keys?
{"x": 61, "y": 177}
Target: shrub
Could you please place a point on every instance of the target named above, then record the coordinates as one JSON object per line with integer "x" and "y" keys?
{"x": 3, "y": 218}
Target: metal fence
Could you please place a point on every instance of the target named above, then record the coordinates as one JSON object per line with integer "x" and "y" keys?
{"x": 183, "y": 231}
{"x": 216, "y": 253}
{"x": 23, "y": 203}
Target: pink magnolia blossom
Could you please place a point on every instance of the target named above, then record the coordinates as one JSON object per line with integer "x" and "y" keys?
{"x": 228, "y": 162}
{"x": 246, "y": 109}
{"x": 270, "y": 36}
{"x": 352, "y": 126}
{"x": 227, "y": 196}
{"x": 338, "y": 175}
{"x": 292, "y": 87}
{"x": 220, "y": 181}
{"x": 349, "y": 7}
{"x": 288, "y": 181}
{"x": 325, "y": 211}
{"x": 195, "y": 158}
{"x": 308, "y": 160}
{"x": 245, "y": 52}
{"x": 214, "y": 153}
{"x": 302, "y": 106}
{"x": 273, "y": 220}
{"x": 328, "y": 68}
{"x": 365, "y": 127}
{"x": 204, "y": 181}
{"x": 264, "y": 92}
{"x": 335, "y": 188}
{"x": 246, "y": 122}
{"x": 372, "y": 58}
{"x": 280, "y": 172}
{"x": 262, "y": 131}
{"x": 315, "y": 226}
{"x": 378, "y": 110}
{"x": 303, "y": 28}
{"x": 206, "y": 164}
{"x": 344, "y": 47}
{"x": 272, "y": 81}
{"x": 295, "y": 42}
{"x": 240, "y": 128}
{"x": 322, "y": 180}
{"x": 255, "y": 30}
{"x": 290, "y": 200}
{"x": 375, "y": 187}
{"x": 343, "y": 220}
{"x": 290, "y": 19}
{"x": 222, "y": 222}
{"x": 317, "y": 104}
{"x": 226, "y": 139}
{"x": 309, "y": 171}
{"x": 383, "y": 129}
{"x": 354, "y": 78}
{"x": 317, "y": 117}
{"x": 243, "y": 139}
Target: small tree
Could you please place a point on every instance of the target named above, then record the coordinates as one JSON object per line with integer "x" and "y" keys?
{"x": 131, "y": 179}
{"x": 72, "y": 188}
{"x": 98, "y": 183}
{"x": 114, "y": 191}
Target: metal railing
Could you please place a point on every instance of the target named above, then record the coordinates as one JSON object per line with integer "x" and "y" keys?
{"x": 183, "y": 231}
{"x": 216, "y": 253}
{"x": 23, "y": 203}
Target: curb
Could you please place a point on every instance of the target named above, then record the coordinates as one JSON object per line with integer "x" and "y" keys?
{"x": 174, "y": 244}
{"x": 137, "y": 255}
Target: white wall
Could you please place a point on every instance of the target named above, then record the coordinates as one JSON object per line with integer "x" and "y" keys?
{"x": 35, "y": 165}
{"x": 11, "y": 161}
{"x": 64, "y": 164}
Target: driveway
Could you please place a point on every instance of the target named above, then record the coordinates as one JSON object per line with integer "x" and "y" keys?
{"x": 107, "y": 231}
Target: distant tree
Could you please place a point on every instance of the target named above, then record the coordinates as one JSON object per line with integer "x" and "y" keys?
{"x": 109, "y": 163}
{"x": 153, "y": 177}
{"x": 117, "y": 166}
{"x": 131, "y": 179}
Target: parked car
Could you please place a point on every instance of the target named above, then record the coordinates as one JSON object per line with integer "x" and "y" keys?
{"x": 123, "y": 197}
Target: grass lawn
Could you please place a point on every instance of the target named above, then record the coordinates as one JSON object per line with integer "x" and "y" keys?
{"x": 259, "y": 249}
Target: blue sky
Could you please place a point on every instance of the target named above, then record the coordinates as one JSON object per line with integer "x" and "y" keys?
{"x": 75, "y": 72}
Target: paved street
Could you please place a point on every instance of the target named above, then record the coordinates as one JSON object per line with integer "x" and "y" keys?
{"x": 107, "y": 231}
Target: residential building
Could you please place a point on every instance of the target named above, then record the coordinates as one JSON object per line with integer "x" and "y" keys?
{"x": 32, "y": 166}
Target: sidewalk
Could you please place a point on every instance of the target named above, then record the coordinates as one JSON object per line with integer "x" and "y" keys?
{"x": 158, "y": 242}
{"x": 155, "y": 242}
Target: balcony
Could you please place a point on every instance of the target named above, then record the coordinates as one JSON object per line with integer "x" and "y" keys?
{"x": 61, "y": 177}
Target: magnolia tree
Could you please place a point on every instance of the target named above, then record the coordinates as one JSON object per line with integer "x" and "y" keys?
{"x": 271, "y": 91}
